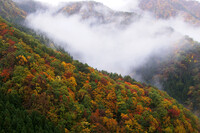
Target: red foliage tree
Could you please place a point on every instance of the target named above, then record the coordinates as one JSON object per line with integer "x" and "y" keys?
{"x": 68, "y": 75}
{"x": 104, "y": 81}
{"x": 174, "y": 112}
{"x": 11, "y": 42}
{"x": 5, "y": 74}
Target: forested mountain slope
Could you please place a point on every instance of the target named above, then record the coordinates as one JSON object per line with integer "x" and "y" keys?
{"x": 11, "y": 12}
{"x": 14, "y": 118}
{"x": 78, "y": 98}
{"x": 179, "y": 74}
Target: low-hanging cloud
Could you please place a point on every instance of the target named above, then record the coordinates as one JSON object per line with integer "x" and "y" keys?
{"x": 107, "y": 47}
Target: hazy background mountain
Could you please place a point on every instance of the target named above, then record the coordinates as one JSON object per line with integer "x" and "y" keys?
{"x": 188, "y": 9}
{"x": 97, "y": 13}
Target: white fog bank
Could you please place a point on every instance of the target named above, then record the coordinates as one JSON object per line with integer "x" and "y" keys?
{"x": 107, "y": 47}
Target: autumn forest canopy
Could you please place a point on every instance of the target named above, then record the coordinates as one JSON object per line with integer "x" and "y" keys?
{"x": 44, "y": 89}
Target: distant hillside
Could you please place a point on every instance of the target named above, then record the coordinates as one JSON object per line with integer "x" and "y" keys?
{"x": 97, "y": 12}
{"x": 189, "y": 9}
{"x": 11, "y": 12}
{"x": 76, "y": 97}
{"x": 100, "y": 14}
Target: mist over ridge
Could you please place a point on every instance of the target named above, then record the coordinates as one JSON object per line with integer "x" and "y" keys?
{"x": 111, "y": 46}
